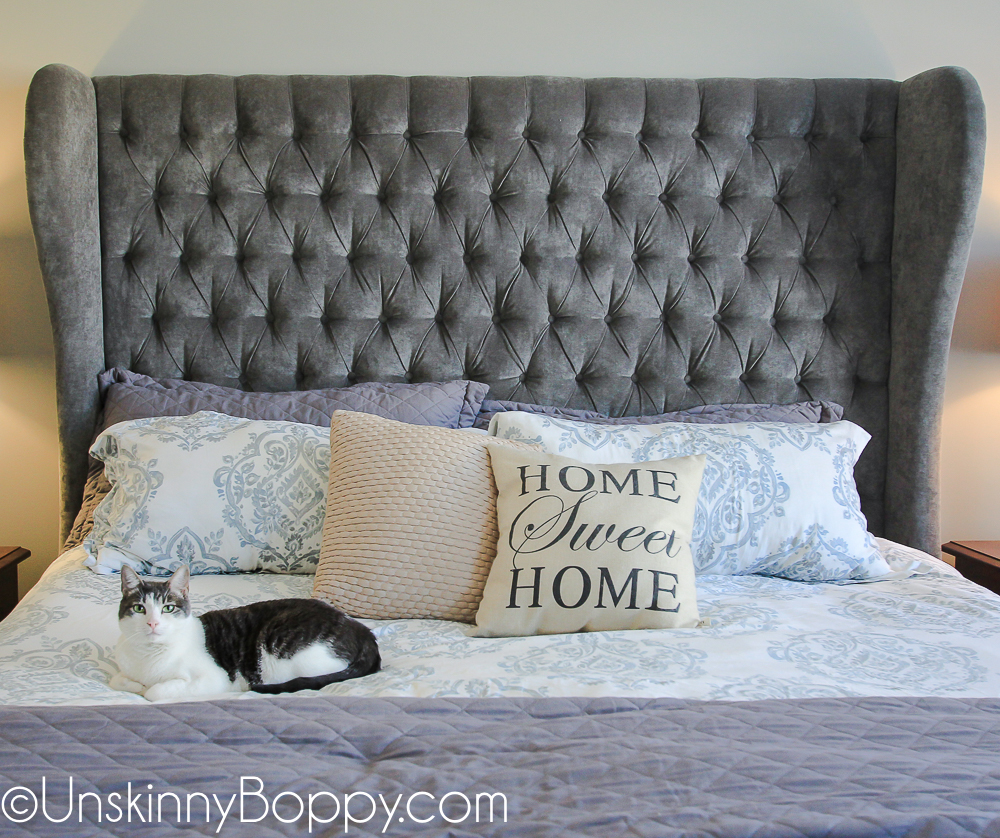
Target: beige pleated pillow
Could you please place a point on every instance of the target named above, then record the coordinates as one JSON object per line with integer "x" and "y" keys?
{"x": 411, "y": 526}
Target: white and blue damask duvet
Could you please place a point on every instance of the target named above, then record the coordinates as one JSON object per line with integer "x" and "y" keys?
{"x": 933, "y": 633}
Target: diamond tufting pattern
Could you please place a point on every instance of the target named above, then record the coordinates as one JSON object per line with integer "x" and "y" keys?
{"x": 605, "y": 766}
{"x": 618, "y": 245}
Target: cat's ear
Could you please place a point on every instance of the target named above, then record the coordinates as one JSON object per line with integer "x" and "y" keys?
{"x": 130, "y": 581}
{"x": 179, "y": 581}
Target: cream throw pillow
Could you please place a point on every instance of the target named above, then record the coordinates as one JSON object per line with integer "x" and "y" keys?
{"x": 410, "y": 529}
{"x": 591, "y": 547}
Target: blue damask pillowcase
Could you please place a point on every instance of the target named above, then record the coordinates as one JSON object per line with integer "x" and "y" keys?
{"x": 777, "y": 499}
{"x": 217, "y": 493}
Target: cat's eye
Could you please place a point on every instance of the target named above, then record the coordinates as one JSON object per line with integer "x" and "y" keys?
{"x": 169, "y": 609}
{"x": 138, "y": 609}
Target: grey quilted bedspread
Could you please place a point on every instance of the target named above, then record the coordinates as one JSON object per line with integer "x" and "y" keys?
{"x": 601, "y": 767}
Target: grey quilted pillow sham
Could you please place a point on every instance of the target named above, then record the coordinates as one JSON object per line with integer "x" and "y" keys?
{"x": 451, "y": 404}
{"x": 709, "y": 414}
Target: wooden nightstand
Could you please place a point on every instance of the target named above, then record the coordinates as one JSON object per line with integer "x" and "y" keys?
{"x": 10, "y": 558}
{"x": 978, "y": 561}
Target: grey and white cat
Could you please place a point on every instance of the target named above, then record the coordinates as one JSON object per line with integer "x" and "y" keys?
{"x": 269, "y": 647}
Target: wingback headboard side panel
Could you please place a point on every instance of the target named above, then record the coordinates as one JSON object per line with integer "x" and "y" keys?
{"x": 941, "y": 136}
{"x": 627, "y": 245}
{"x": 60, "y": 149}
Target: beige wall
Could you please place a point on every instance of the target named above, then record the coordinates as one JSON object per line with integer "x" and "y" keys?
{"x": 891, "y": 38}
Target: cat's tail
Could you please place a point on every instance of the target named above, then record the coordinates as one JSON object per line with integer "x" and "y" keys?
{"x": 366, "y": 663}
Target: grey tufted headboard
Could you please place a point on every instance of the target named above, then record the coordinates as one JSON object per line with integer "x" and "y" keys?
{"x": 627, "y": 245}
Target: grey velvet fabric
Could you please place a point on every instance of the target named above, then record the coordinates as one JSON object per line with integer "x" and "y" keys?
{"x": 623, "y": 246}
{"x": 941, "y": 143}
{"x": 60, "y": 145}
{"x": 450, "y": 404}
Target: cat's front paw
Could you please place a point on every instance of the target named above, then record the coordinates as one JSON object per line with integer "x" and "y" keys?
{"x": 121, "y": 682}
{"x": 175, "y": 688}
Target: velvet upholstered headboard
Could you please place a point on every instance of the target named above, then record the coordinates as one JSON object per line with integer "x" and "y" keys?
{"x": 625, "y": 245}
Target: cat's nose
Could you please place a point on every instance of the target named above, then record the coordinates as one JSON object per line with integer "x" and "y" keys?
{"x": 152, "y": 623}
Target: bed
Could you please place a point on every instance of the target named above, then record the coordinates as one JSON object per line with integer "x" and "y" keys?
{"x": 626, "y": 247}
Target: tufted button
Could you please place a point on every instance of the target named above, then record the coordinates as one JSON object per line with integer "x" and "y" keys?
{"x": 581, "y": 134}
{"x": 183, "y": 258}
{"x": 743, "y": 376}
{"x": 521, "y": 378}
{"x": 240, "y": 258}
{"x": 496, "y": 318}
{"x": 634, "y": 257}
{"x": 797, "y": 379}
{"x": 382, "y": 318}
{"x": 324, "y": 320}
{"x": 297, "y": 135}
{"x": 745, "y": 258}
{"x": 552, "y": 319}
{"x": 721, "y": 199}
{"x": 692, "y": 258}
{"x": 771, "y": 321}
{"x": 634, "y": 378}
{"x": 751, "y": 138}
{"x": 638, "y": 137}
{"x": 212, "y": 198}
{"x": 127, "y": 257}
{"x": 380, "y": 196}
{"x": 438, "y": 197}
{"x": 579, "y": 256}
{"x": 350, "y": 256}
{"x": 717, "y": 317}
{"x": 212, "y": 319}
{"x": 467, "y": 258}
{"x": 776, "y": 199}
{"x": 494, "y": 197}
{"x": 580, "y": 377}
{"x": 526, "y": 134}
{"x": 523, "y": 258}
{"x": 269, "y": 317}
{"x": 468, "y": 133}
{"x": 551, "y": 197}
{"x": 409, "y": 259}
{"x": 696, "y": 134}
{"x": 352, "y": 378}
{"x": 406, "y": 134}
{"x": 351, "y": 135}
{"x": 803, "y": 261}
{"x": 664, "y": 198}
{"x": 687, "y": 379}
{"x": 865, "y": 137}
{"x": 608, "y": 318}
{"x": 123, "y": 132}
{"x": 408, "y": 376}
{"x": 155, "y": 195}
{"x": 833, "y": 200}
{"x": 439, "y": 318}
{"x": 606, "y": 197}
